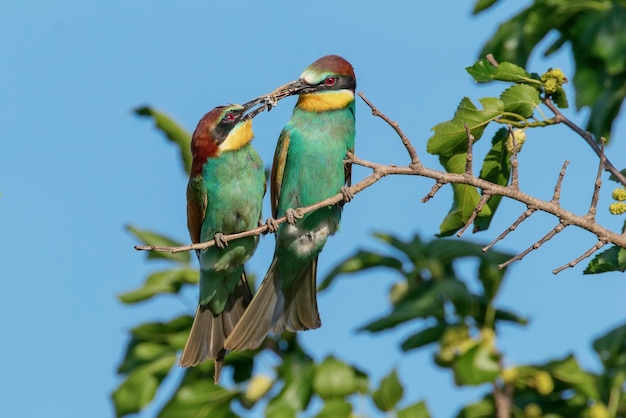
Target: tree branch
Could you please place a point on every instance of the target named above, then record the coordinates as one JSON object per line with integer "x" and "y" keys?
{"x": 415, "y": 168}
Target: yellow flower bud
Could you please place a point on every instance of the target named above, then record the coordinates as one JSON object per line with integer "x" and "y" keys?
{"x": 619, "y": 194}
{"x": 510, "y": 375}
{"x": 520, "y": 138}
{"x": 598, "y": 411}
{"x": 617, "y": 208}
{"x": 544, "y": 383}
{"x": 258, "y": 387}
{"x": 552, "y": 80}
{"x": 532, "y": 410}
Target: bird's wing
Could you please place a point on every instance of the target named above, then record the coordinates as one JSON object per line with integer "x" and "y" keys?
{"x": 196, "y": 207}
{"x": 278, "y": 168}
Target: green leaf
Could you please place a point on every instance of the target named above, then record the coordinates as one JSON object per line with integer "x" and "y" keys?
{"x": 611, "y": 348}
{"x": 483, "y": 71}
{"x": 139, "y": 388}
{"x": 481, "y": 5}
{"x": 334, "y": 379}
{"x": 389, "y": 392}
{"x": 496, "y": 169}
{"x": 134, "y": 393}
{"x": 476, "y": 366}
{"x": 152, "y": 238}
{"x": 418, "y": 305}
{"x": 199, "y": 398}
{"x": 450, "y": 137}
{"x": 515, "y": 39}
{"x": 173, "y": 132}
{"x": 418, "y": 410}
{"x": 413, "y": 249}
{"x": 298, "y": 388}
{"x": 613, "y": 259}
{"x": 167, "y": 281}
{"x": 481, "y": 409}
{"x": 569, "y": 371}
{"x": 279, "y": 408}
{"x": 520, "y": 99}
{"x": 362, "y": 260}
{"x": 336, "y": 408}
{"x": 424, "y": 337}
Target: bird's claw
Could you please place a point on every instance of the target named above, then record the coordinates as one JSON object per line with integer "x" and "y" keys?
{"x": 272, "y": 225}
{"x": 347, "y": 194}
{"x": 292, "y": 215}
{"x": 220, "y": 241}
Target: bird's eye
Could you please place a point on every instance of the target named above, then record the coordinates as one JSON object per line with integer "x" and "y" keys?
{"x": 330, "y": 81}
{"x": 230, "y": 117}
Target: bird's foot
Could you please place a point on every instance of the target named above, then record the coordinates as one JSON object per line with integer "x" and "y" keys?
{"x": 292, "y": 215}
{"x": 347, "y": 194}
{"x": 220, "y": 241}
{"x": 272, "y": 225}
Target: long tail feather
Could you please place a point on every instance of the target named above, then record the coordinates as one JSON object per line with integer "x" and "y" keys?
{"x": 208, "y": 332}
{"x": 271, "y": 309}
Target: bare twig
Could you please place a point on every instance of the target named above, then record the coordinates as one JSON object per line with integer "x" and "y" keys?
{"x": 536, "y": 245}
{"x": 434, "y": 190}
{"x": 503, "y": 399}
{"x": 586, "y": 254}
{"x": 477, "y": 209}
{"x": 591, "y": 214}
{"x": 560, "y": 118}
{"x": 514, "y": 161}
{"x": 511, "y": 228}
{"x": 415, "y": 161}
{"x": 556, "y": 197}
{"x": 469, "y": 169}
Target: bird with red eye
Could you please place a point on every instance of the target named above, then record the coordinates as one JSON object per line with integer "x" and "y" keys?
{"x": 224, "y": 196}
{"x": 308, "y": 168}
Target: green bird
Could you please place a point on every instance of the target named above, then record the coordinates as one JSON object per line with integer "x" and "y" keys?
{"x": 308, "y": 168}
{"x": 224, "y": 195}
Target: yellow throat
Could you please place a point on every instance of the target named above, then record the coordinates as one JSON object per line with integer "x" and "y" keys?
{"x": 328, "y": 100}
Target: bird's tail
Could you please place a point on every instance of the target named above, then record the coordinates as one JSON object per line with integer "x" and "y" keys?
{"x": 274, "y": 308}
{"x": 208, "y": 332}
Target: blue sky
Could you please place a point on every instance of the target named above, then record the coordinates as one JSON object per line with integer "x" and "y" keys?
{"x": 76, "y": 166}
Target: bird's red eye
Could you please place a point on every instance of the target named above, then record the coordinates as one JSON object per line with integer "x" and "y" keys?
{"x": 330, "y": 81}
{"x": 230, "y": 116}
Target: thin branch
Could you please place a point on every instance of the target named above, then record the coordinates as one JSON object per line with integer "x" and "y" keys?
{"x": 591, "y": 214}
{"x": 561, "y": 118}
{"x": 556, "y": 197}
{"x": 434, "y": 190}
{"x": 477, "y": 209}
{"x": 536, "y": 245}
{"x": 469, "y": 169}
{"x": 511, "y": 228}
{"x": 441, "y": 177}
{"x": 586, "y": 254}
{"x": 407, "y": 143}
{"x": 514, "y": 161}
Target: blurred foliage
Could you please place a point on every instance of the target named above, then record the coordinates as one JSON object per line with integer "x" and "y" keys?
{"x": 592, "y": 29}
{"x": 457, "y": 317}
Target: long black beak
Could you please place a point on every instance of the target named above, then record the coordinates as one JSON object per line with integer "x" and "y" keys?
{"x": 271, "y": 99}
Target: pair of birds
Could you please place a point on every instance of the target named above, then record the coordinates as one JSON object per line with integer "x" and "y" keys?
{"x": 225, "y": 194}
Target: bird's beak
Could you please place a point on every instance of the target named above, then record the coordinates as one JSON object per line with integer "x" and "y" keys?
{"x": 270, "y": 100}
{"x": 289, "y": 89}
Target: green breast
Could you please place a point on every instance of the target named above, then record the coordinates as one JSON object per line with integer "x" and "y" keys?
{"x": 234, "y": 184}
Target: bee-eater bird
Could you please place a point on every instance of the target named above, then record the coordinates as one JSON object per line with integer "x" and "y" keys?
{"x": 224, "y": 195}
{"x": 308, "y": 168}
